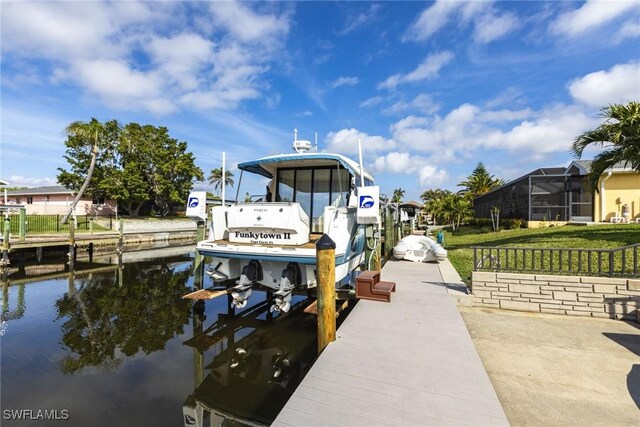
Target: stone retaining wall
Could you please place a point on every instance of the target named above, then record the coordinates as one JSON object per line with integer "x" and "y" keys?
{"x": 615, "y": 298}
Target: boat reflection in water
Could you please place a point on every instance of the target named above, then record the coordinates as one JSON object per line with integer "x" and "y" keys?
{"x": 254, "y": 363}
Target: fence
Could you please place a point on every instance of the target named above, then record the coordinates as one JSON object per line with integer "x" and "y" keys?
{"x": 36, "y": 223}
{"x": 618, "y": 262}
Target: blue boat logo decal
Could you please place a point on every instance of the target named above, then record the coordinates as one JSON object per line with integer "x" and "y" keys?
{"x": 193, "y": 202}
{"x": 366, "y": 202}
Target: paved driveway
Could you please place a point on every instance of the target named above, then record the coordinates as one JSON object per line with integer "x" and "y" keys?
{"x": 553, "y": 370}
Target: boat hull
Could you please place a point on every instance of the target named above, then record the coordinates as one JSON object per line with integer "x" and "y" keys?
{"x": 229, "y": 262}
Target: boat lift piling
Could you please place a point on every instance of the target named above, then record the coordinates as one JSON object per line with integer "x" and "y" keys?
{"x": 326, "y": 290}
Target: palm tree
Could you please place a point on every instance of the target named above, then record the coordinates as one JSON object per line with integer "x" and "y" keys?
{"x": 92, "y": 133}
{"x": 398, "y": 194}
{"x": 216, "y": 178}
{"x": 619, "y": 135}
{"x": 479, "y": 182}
{"x": 431, "y": 194}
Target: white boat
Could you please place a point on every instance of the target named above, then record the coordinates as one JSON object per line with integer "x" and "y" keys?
{"x": 272, "y": 242}
{"x": 419, "y": 249}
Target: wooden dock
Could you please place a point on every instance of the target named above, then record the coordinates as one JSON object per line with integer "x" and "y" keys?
{"x": 407, "y": 362}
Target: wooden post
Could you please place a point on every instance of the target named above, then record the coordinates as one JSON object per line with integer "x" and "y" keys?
{"x": 23, "y": 224}
{"x": 90, "y": 225}
{"x": 326, "y": 290}
{"x": 120, "y": 245}
{"x": 121, "y": 233}
{"x": 5, "y": 241}
{"x": 377, "y": 254}
{"x": 198, "y": 265}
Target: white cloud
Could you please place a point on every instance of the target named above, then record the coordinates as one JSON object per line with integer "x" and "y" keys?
{"x": 218, "y": 63}
{"x": 431, "y": 20}
{"x": 431, "y": 176}
{"x": 488, "y": 23}
{"x": 248, "y": 26}
{"x": 56, "y": 30}
{"x": 505, "y": 115}
{"x": 468, "y": 128}
{"x": 370, "y": 102}
{"x": 181, "y": 57}
{"x": 428, "y": 69}
{"x": 360, "y": 20}
{"x": 342, "y": 81}
{"x": 345, "y": 141}
{"x": 591, "y": 15}
{"x": 553, "y": 130}
{"x": 491, "y": 27}
{"x": 406, "y": 163}
{"x": 510, "y": 96}
{"x": 619, "y": 84}
{"x": 21, "y": 181}
{"x": 422, "y": 103}
{"x": 629, "y": 30}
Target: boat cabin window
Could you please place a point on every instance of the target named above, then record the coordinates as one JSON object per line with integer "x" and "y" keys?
{"x": 313, "y": 188}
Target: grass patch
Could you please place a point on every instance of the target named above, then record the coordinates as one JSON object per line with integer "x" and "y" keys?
{"x": 459, "y": 244}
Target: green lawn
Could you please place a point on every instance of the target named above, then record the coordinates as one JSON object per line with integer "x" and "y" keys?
{"x": 459, "y": 244}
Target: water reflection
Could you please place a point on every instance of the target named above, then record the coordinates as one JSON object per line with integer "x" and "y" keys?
{"x": 253, "y": 363}
{"x": 111, "y": 316}
{"x": 115, "y": 344}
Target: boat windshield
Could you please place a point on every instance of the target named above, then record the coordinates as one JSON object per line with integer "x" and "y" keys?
{"x": 314, "y": 188}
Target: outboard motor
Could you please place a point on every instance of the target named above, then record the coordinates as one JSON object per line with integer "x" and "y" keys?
{"x": 251, "y": 273}
{"x": 291, "y": 277}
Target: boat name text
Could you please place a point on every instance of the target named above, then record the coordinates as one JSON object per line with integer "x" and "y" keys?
{"x": 256, "y": 236}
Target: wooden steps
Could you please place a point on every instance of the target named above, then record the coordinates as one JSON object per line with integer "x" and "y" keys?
{"x": 369, "y": 286}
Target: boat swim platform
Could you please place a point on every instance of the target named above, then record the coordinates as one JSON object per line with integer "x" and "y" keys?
{"x": 408, "y": 362}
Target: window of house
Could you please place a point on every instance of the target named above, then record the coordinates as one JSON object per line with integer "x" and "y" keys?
{"x": 47, "y": 198}
{"x": 29, "y": 200}
{"x": 98, "y": 200}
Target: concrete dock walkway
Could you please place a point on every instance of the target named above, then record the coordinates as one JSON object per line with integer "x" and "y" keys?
{"x": 408, "y": 362}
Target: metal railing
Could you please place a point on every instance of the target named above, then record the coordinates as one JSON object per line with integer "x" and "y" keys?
{"x": 617, "y": 262}
{"x": 37, "y": 223}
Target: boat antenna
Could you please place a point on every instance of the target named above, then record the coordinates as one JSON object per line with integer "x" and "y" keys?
{"x": 223, "y": 176}
{"x": 295, "y": 134}
{"x": 316, "y": 141}
{"x": 361, "y": 167}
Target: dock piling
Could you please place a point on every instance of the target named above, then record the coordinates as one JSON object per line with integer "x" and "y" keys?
{"x": 5, "y": 242}
{"x": 23, "y": 224}
{"x": 326, "y": 290}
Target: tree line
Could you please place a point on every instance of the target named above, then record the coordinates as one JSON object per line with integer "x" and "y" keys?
{"x": 618, "y": 135}
{"x": 132, "y": 164}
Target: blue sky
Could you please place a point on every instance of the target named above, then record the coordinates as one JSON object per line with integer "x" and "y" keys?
{"x": 431, "y": 88}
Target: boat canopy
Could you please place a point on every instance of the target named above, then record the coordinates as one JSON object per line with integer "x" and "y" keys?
{"x": 267, "y": 166}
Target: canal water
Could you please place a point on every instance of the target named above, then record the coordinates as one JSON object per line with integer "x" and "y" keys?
{"x": 120, "y": 347}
